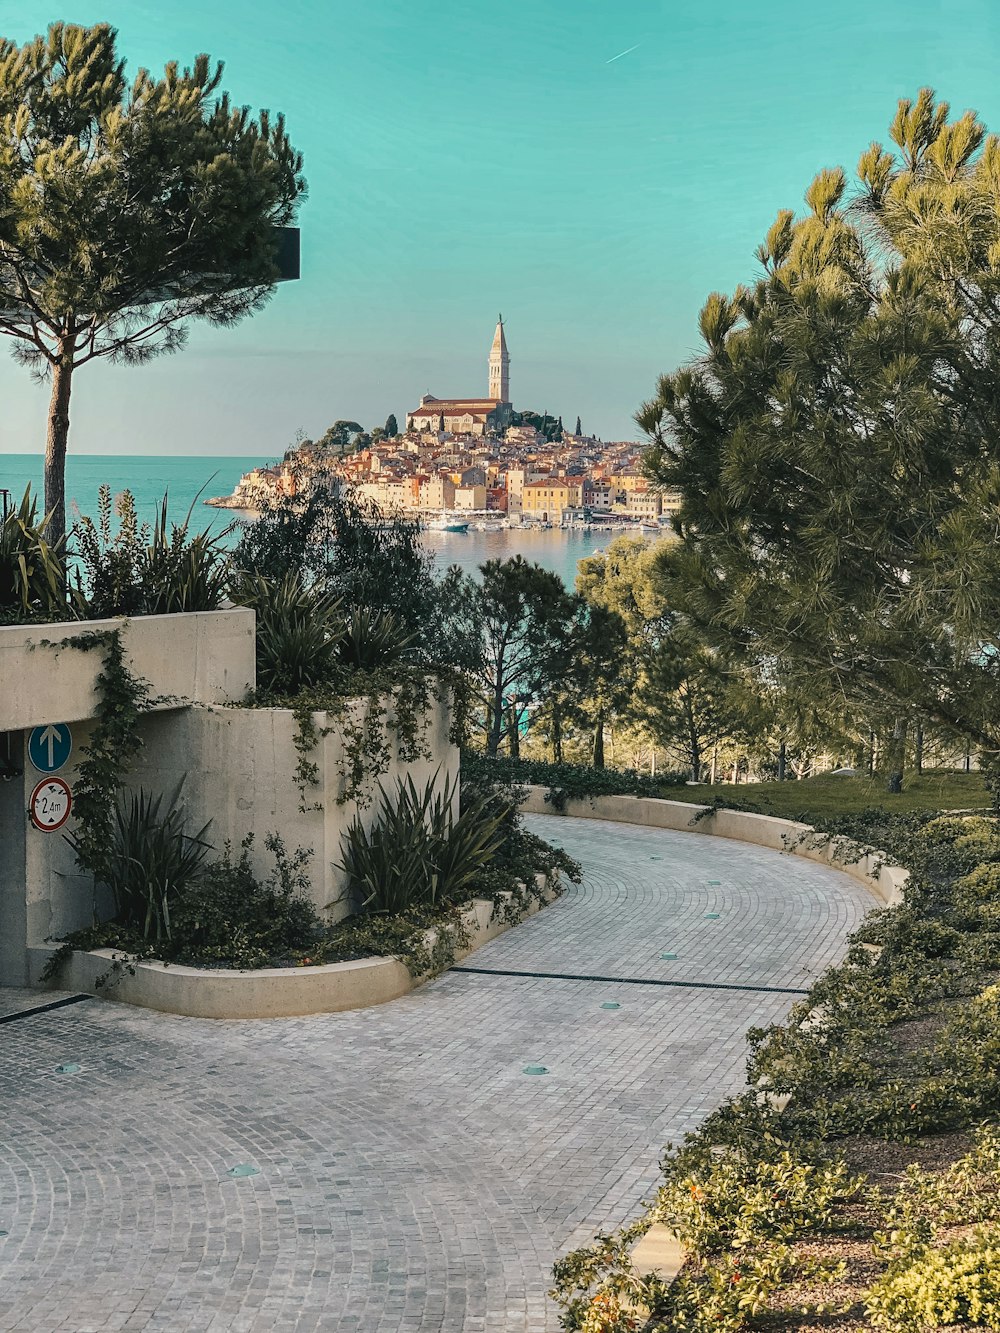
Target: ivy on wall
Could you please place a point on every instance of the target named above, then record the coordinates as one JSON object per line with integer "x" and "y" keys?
{"x": 370, "y": 709}
{"x": 122, "y": 698}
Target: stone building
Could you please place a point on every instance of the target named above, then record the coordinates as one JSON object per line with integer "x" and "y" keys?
{"x": 471, "y": 416}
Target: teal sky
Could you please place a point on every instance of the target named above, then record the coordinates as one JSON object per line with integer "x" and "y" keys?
{"x": 465, "y": 158}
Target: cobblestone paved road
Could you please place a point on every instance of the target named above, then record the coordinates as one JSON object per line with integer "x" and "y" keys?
{"x": 411, "y": 1176}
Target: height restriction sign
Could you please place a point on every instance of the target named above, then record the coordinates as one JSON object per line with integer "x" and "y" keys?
{"x": 50, "y": 804}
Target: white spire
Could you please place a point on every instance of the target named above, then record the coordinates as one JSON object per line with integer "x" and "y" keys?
{"x": 499, "y": 365}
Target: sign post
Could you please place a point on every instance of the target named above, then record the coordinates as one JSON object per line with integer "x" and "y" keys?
{"x": 49, "y": 747}
{"x": 50, "y": 805}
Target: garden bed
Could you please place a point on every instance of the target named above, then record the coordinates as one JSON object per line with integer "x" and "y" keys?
{"x": 275, "y": 992}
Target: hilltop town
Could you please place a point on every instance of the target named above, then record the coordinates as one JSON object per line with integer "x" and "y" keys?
{"x": 466, "y": 459}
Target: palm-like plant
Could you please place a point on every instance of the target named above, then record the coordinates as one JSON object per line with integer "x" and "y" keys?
{"x": 418, "y": 854}
{"x": 152, "y": 859}
{"x": 32, "y": 569}
{"x": 298, "y": 631}
{"x": 374, "y": 639}
{"x": 182, "y": 573}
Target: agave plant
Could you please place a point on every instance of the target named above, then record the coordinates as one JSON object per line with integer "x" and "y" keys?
{"x": 32, "y": 569}
{"x": 374, "y": 639}
{"x": 298, "y": 632}
{"x": 418, "y": 854}
{"x": 151, "y": 860}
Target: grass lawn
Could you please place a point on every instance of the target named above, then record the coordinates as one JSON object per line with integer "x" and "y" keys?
{"x": 934, "y": 789}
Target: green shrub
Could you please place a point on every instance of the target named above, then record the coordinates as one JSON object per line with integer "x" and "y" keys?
{"x": 151, "y": 861}
{"x": 224, "y": 917}
{"x": 937, "y": 1288}
{"x": 418, "y": 853}
{"x": 566, "y": 780}
{"x": 737, "y": 1200}
{"x": 32, "y": 570}
{"x": 228, "y": 917}
{"x": 143, "y": 570}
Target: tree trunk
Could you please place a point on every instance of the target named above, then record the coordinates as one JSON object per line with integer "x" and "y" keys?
{"x": 715, "y": 762}
{"x": 918, "y": 749}
{"x": 496, "y": 723}
{"x": 694, "y": 748}
{"x": 55, "y": 445}
{"x": 782, "y": 761}
{"x": 598, "y": 755}
{"x": 556, "y": 735}
{"x": 896, "y": 756}
{"x": 514, "y": 732}
{"x": 871, "y": 753}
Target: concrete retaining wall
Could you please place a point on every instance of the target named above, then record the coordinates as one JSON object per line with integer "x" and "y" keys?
{"x": 781, "y": 835}
{"x": 239, "y": 764}
{"x": 275, "y": 992}
{"x": 198, "y": 657}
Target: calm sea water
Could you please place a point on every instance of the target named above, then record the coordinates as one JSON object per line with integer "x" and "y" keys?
{"x": 182, "y": 479}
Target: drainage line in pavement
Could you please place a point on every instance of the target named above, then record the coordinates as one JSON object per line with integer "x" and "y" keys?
{"x": 44, "y": 1008}
{"x": 631, "y": 981}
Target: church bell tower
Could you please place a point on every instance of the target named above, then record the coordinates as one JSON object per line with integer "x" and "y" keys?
{"x": 499, "y": 366}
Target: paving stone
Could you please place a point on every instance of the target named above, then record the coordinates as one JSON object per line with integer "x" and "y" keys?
{"x": 411, "y": 1176}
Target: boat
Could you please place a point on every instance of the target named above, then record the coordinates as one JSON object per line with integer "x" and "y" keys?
{"x": 447, "y": 525}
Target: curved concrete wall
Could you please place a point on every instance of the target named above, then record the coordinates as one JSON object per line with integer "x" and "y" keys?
{"x": 782, "y": 835}
{"x": 268, "y": 992}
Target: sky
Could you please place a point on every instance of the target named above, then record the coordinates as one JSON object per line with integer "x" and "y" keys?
{"x": 592, "y": 169}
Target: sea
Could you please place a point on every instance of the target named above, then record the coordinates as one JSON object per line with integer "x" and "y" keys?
{"x": 187, "y": 481}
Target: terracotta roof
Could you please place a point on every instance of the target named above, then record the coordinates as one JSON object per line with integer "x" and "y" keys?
{"x": 452, "y": 405}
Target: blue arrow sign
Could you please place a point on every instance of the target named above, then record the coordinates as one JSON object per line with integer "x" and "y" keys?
{"x": 50, "y": 746}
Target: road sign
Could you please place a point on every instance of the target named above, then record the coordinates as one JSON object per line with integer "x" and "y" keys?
{"x": 50, "y": 804}
{"x": 49, "y": 747}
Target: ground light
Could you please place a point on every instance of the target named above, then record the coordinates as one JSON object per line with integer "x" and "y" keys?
{"x": 243, "y": 1169}
{"x": 67, "y": 1069}
{"x": 670, "y": 957}
{"x": 534, "y": 1069}
{"x": 610, "y": 1004}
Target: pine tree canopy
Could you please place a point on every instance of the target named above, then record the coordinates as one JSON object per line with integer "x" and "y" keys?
{"x": 837, "y": 445}
{"x": 127, "y": 209}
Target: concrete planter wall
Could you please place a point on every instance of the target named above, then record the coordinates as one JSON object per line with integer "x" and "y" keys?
{"x": 781, "y": 835}
{"x": 275, "y": 992}
{"x": 202, "y": 657}
{"x": 238, "y": 768}
{"x": 237, "y": 765}
{"x": 199, "y": 657}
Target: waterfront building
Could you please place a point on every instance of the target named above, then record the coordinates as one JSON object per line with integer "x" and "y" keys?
{"x": 471, "y": 416}
{"x": 546, "y": 499}
{"x": 470, "y": 497}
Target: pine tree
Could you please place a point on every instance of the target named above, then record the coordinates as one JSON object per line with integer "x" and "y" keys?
{"x": 127, "y": 210}
{"x": 837, "y": 446}
{"x": 391, "y": 429}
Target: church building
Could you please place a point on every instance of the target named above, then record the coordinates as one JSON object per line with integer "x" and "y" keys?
{"x": 472, "y": 416}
